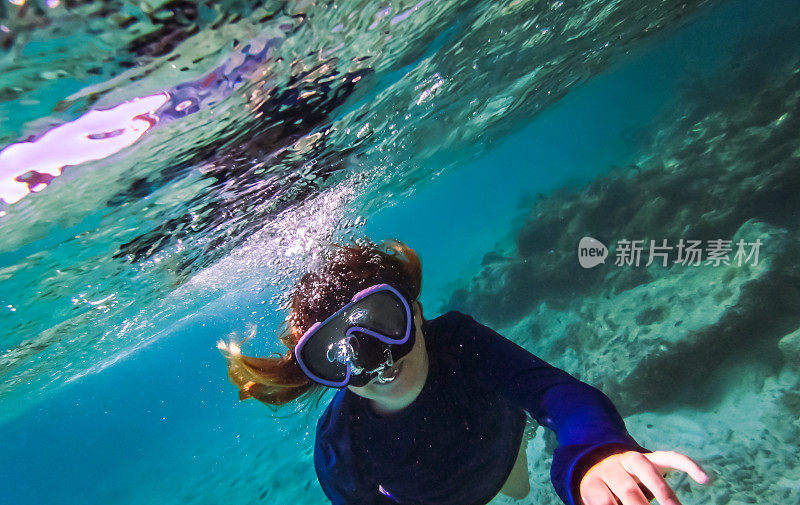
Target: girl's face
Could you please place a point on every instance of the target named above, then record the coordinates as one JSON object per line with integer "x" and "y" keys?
{"x": 411, "y": 370}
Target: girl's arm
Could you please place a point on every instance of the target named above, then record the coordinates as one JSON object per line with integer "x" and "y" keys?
{"x": 586, "y": 423}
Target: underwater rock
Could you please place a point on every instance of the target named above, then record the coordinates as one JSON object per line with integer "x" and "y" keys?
{"x": 703, "y": 359}
{"x": 643, "y": 345}
{"x": 705, "y": 177}
{"x": 790, "y": 347}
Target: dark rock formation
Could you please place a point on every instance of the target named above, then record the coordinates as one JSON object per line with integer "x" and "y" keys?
{"x": 703, "y": 359}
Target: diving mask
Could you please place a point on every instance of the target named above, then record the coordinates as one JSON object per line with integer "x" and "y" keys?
{"x": 360, "y": 341}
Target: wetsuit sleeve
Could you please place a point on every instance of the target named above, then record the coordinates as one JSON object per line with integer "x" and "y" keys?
{"x": 338, "y": 476}
{"x": 586, "y": 423}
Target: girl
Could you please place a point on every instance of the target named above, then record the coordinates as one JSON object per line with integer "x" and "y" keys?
{"x": 433, "y": 412}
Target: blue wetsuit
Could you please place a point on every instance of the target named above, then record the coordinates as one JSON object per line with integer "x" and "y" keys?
{"x": 457, "y": 442}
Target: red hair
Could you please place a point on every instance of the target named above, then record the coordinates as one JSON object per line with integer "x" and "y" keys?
{"x": 278, "y": 380}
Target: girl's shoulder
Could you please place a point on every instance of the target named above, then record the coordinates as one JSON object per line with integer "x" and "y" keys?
{"x": 449, "y": 337}
{"x": 455, "y": 329}
{"x": 449, "y": 325}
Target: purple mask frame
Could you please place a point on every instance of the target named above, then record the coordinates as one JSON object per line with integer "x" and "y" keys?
{"x": 383, "y": 338}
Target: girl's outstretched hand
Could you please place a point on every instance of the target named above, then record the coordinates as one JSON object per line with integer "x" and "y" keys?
{"x": 615, "y": 479}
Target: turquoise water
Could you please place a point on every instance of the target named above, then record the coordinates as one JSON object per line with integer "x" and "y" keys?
{"x": 120, "y": 274}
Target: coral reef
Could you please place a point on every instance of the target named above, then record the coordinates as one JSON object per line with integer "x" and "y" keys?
{"x": 703, "y": 359}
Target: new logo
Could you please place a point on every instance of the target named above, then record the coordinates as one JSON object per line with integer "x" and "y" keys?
{"x": 591, "y": 252}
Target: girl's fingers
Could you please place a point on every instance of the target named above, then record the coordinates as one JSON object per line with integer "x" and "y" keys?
{"x": 677, "y": 461}
{"x": 595, "y": 492}
{"x": 624, "y": 486}
{"x": 644, "y": 470}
